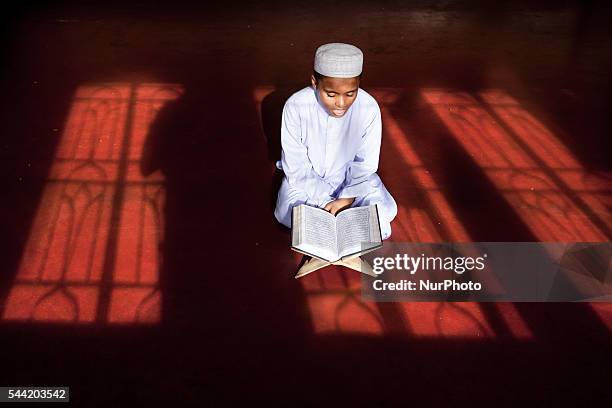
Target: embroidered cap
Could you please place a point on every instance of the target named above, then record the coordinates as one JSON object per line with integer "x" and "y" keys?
{"x": 338, "y": 60}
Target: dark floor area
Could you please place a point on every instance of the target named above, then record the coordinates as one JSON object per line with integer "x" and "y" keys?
{"x": 233, "y": 325}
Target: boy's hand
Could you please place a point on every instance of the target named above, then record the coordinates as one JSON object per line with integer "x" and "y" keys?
{"x": 338, "y": 205}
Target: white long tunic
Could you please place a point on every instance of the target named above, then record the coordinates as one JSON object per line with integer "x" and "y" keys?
{"x": 324, "y": 157}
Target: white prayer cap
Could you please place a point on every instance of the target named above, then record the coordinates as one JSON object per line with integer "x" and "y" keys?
{"x": 338, "y": 60}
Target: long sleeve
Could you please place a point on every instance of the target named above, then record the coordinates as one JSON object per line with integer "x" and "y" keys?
{"x": 365, "y": 162}
{"x": 295, "y": 162}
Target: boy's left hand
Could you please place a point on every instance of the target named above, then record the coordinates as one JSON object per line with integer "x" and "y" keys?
{"x": 338, "y": 205}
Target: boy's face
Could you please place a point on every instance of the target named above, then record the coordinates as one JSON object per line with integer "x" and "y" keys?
{"x": 336, "y": 94}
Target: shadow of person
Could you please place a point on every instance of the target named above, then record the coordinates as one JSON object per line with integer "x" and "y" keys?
{"x": 271, "y": 119}
{"x": 226, "y": 278}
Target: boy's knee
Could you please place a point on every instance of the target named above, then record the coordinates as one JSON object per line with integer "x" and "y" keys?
{"x": 392, "y": 210}
{"x": 282, "y": 212}
{"x": 283, "y": 218}
{"x": 286, "y": 200}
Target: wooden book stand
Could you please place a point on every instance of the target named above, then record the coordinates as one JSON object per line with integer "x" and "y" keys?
{"x": 352, "y": 262}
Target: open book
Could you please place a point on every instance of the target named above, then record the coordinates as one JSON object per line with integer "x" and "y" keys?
{"x": 318, "y": 233}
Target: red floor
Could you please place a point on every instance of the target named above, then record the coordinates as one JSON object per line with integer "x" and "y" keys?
{"x": 142, "y": 262}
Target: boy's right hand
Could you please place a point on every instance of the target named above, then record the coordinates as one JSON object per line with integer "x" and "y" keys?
{"x": 338, "y": 205}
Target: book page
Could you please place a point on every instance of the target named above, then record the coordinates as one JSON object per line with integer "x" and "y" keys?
{"x": 357, "y": 226}
{"x": 318, "y": 234}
